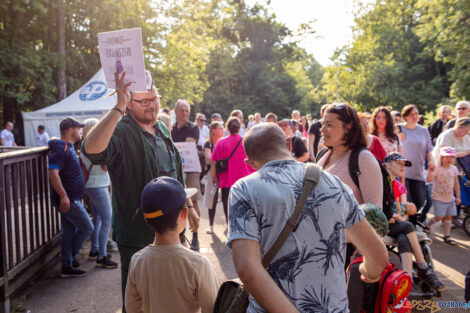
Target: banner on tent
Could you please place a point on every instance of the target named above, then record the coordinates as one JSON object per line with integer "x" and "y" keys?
{"x": 82, "y": 113}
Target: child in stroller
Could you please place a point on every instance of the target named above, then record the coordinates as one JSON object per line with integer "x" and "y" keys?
{"x": 403, "y": 233}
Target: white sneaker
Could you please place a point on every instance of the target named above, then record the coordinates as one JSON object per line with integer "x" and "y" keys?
{"x": 210, "y": 230}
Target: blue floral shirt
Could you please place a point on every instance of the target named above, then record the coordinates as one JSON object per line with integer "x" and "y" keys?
{"x": 309, "y": 268}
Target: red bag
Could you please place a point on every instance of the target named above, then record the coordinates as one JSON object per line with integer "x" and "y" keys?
{"x": 394, "y": 288}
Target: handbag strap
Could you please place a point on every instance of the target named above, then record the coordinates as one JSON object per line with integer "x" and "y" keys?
{"x": 236, "y": 147}
{"x": 311, "y": 179}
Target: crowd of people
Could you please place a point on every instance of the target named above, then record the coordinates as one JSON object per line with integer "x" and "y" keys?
{"x": 258, "y": 172}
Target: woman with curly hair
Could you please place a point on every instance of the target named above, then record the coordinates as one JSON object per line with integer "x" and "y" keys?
{"x": 382, "y": 126}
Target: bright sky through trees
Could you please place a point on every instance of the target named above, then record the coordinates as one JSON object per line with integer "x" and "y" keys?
{"x": 334, "y": 19}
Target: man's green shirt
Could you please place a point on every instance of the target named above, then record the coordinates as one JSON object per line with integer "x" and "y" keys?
{"x": 134, "y": 157}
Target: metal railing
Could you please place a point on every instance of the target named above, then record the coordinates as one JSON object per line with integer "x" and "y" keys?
{"x": 29, "y": 225}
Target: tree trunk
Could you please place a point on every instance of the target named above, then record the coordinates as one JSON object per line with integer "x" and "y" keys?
{"x": 61, "y": 83}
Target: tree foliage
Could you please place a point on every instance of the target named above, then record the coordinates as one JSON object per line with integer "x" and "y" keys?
{"x": 390, "y": 65}
{"x": 445, "y": 30}
{"x": 404, "y": 51}
{"x": 223, "y": 54}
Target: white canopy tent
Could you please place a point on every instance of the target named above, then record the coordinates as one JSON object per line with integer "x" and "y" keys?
{"x": 88, "y": 101}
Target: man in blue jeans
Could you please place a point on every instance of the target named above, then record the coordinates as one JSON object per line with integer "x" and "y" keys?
{"x": 68, "y": 185}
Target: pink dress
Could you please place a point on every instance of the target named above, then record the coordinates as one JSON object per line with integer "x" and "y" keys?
{"x": 237, "y": 168}
{"x": 443, "y": 184}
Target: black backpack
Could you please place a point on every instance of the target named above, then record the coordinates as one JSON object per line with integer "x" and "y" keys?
{"x": 388, "y": 197}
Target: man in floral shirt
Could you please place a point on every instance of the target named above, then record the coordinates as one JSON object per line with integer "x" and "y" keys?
{"x": 307, "y": 274}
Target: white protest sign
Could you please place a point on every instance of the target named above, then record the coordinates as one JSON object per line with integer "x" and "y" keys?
{"x": 122, "y": 50}
{"x": 188, "y": 152}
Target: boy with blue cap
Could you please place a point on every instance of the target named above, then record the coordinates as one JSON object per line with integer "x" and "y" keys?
{"x": 165, "y": 276}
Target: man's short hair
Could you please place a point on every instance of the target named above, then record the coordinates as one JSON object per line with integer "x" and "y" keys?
{"x": 41, "y": 127}
{"x": 271, "y": 116}
{"x": 264, "y": 141}
{"x": 463, "y": 103}
{"x": 463, "y": 121}
{"x": 181, "y": 102}
{"x": 198, "y": 115}
{"x": 216, "y": 116}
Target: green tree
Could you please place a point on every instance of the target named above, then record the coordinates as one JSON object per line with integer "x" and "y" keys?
{"x": 445, "y": 30}
{"x": 28, "y": 46}
{"x": 390, "y": 65}
{"x": 257, "y": 69}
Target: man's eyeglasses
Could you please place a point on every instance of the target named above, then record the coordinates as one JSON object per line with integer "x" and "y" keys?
{"x": 146, "y": 102}
{"x": 462, "y": 109}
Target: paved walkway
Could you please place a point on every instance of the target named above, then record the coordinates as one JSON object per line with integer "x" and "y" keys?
{"x": 100, "y": 290}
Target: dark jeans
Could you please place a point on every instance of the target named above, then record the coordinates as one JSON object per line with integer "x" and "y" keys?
{"x": 212, "y": 210}
{"x": 399, "y": 231}
{"x": 225, "y": 194}
{"x": 126, "y": 253}
{"x": 416, "y": 192}
{"x": 428, "y": 204}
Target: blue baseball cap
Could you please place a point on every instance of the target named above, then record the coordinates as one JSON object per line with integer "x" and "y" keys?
{"x": 163, "y": 195}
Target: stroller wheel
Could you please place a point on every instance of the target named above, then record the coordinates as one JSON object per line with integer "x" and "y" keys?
{"x": 466, "y": 224}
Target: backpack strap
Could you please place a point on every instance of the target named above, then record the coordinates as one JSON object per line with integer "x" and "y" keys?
{"x": 320, "y": 154}
{"x": 357, "y": 260}
{"x": 311, "y": 179}
{"x": 235, "y": 149}
{"x": 354, "y": 170}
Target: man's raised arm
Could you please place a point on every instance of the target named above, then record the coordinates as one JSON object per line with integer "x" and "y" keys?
{"x": 98, "y": 138}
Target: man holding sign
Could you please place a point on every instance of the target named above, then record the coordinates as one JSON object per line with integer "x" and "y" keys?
{"x": 136, "y": 148}
{"x": 186, "y": 131}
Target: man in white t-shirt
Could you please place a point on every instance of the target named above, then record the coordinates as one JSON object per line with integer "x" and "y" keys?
{"x": 456, "y": 137}
{"x": 7, "y": 138}
{"x": 203, "y": 129}
{"x": 42, "y": 137}
{"x": 256, "y": 120}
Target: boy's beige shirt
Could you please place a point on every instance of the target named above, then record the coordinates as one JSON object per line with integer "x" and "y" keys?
{"x": 170, "y": 279}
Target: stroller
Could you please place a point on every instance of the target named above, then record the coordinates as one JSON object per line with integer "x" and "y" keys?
{"x": 464, "y": 179}
{"x": 425, "y": 244}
